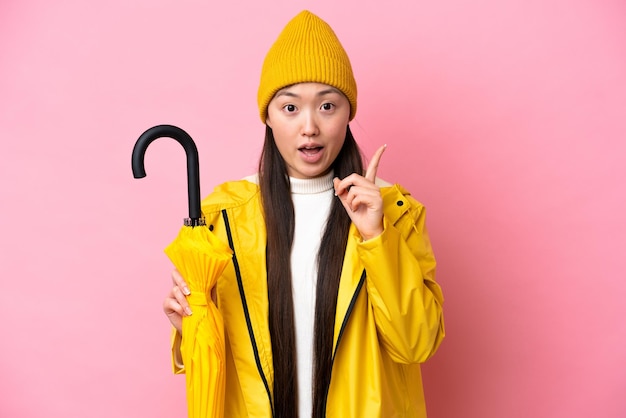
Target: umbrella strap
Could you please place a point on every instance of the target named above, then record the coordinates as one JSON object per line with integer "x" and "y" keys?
{"x": 197, "y": 298}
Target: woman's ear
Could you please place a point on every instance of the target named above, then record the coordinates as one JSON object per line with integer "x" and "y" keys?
{"x": 267, "y": 120}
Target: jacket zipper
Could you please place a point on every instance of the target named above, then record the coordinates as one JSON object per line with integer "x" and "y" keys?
{"x": 343, "y": 327}
{"x": 246, "y": 311}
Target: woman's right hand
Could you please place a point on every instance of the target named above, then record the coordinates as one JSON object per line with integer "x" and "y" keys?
{"x": 175, "y": 304}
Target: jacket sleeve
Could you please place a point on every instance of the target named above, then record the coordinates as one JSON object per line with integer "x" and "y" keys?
{"x": 406, "y": 300}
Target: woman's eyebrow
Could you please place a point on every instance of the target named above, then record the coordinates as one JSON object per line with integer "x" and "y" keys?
{"x": 331, "y": 90}
{"x": 286, "y": 93}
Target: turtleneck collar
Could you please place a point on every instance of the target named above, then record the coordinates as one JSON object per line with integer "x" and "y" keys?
{"x": 312, "y": 186}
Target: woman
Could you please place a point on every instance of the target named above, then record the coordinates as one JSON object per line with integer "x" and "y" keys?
{"x": 330, "y": 303}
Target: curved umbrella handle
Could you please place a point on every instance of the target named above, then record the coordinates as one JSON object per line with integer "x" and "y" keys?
{"x": 193, "y": 169}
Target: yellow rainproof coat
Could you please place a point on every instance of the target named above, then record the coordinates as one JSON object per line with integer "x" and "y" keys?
{"x": 389, "y": 310}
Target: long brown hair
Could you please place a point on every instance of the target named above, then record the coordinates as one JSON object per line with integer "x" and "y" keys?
{"x": 279, "y": 222}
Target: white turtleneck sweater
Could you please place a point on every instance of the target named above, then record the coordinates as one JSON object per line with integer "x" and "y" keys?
{"x": 312, "y": 199}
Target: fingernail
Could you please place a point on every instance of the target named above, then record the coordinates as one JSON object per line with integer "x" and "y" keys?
{"x": 188, "y": 311}
{"x": 186, "y": 291}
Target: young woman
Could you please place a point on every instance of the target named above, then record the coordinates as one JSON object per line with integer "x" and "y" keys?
{"x": 330, "y": 303}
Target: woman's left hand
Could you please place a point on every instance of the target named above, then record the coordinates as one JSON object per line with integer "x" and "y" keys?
{"x": 362, "y": 199}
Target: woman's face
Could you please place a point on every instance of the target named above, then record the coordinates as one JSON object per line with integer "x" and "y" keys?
{"x": 309, "y": 122}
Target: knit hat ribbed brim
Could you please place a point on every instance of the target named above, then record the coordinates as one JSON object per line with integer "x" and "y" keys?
{"x": 306, "y": 51}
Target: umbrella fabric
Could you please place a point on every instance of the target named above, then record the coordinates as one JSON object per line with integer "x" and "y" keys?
{"x": 201, "y": 257}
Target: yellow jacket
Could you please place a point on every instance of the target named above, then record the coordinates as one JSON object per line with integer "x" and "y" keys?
{"x": 389, "y": 310}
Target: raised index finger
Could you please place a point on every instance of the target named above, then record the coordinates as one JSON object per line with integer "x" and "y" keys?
{"x": 372, "y": 168}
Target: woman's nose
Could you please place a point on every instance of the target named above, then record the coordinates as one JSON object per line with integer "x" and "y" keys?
{"x": 309, "y": 125}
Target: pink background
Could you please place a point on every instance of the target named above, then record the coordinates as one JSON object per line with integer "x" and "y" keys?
{"x": 507, "y": 119}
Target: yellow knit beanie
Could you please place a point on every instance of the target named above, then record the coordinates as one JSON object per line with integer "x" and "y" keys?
{"x": 307, "y": 50}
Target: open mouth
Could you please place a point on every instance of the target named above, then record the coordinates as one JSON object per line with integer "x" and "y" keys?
{"x": 310, "y": 150}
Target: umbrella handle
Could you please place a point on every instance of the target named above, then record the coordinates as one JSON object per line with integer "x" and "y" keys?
{"x": 193, "y": 168}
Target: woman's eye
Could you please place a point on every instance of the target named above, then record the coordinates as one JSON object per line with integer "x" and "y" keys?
{"x": 290, "y": 108}
{"x": 327, "y": 106}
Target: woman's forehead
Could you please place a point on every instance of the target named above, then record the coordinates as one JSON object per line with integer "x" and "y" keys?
{"x": 319, "y": 88}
